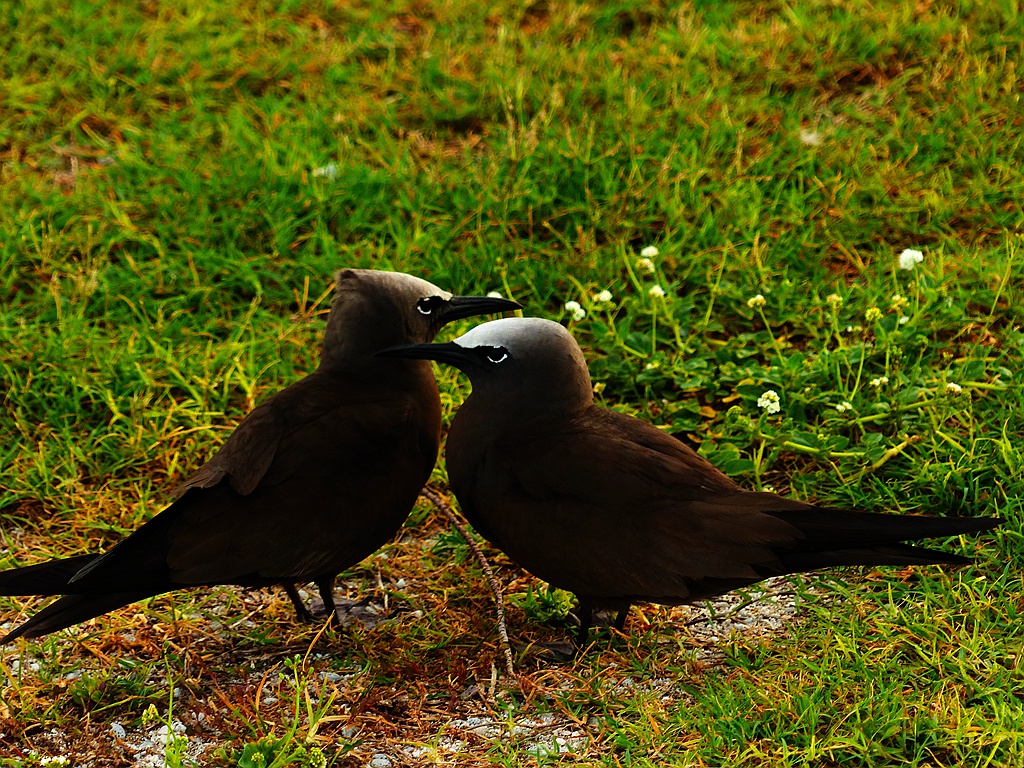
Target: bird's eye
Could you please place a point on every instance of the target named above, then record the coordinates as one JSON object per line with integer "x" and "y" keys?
{"x": 496, "y": 354}
{"x": 428, "y": 305}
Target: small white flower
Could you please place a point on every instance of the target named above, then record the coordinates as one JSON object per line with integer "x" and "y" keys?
{"x": 328, "y": 171}
{"x": 834, "y": 300}
{"x": 904, "y": 319}
{"x": 844, "y": 406}
{"x": 656, "y": 290}
{"x": 880, "y": 381}
{"x": 649, "y": 252}
{"x": 494, "y": 295}
{"x": 910, "y": 258}
{"x": 652, "y": 366}
{"x": 756, "y": 301}
{"x": 645, "y": 265}
{"x": 769, "y": 401}
{"x": 575, "y": 310}
{"x": 604, "y": 296}
{"x": 810, "y": 138}
{"x": 953, "y": 388}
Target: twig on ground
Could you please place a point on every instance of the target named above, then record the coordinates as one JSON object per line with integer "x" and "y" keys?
{"x": 438, "y": 501}
{"x": 889, "y": 454}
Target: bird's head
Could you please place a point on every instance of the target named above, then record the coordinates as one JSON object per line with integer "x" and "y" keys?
{"x": 529, "y": 364}
{"x": 374, "y": 309}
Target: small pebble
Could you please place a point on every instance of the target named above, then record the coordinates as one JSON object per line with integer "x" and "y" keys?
{"x": 379, "y": 761}
{"x": 117, "y": 731}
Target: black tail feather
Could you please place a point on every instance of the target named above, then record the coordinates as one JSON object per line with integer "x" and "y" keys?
{"x": 44, "y": 579}
{"x": 844, "y": 530}
{"x": 892, "y": 554}
{"x": 71, "y": 610}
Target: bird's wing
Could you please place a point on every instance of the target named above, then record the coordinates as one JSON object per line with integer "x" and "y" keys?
{"x": 608, "y": 506}
{"x": 605, "y": 505}
{"x": 343, "y": 473}
{"x": 249, "y": 450}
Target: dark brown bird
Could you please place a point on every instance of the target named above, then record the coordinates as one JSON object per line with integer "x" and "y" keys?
{"x": 315, "y": 479}
{"x": 615, "y": 510}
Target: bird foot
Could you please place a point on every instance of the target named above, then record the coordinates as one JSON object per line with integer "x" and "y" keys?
{"x": 364, "y": 612}
{"x": 558, "y": 652}
{"x": 604, "y": 619}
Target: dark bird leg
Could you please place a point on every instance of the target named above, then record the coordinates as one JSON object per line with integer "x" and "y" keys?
{"x": 326, "y": 586}
{"x": 301, "y": 611}
{"x": 620, "y": 619}
{"x": 585, "y": 613}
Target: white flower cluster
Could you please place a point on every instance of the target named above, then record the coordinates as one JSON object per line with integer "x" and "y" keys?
{"x": 756, "y": 301}
{"x": 953, "y": 388}
{"x": 910, "y": 258}
{"x": 576, "y": 312}
{"x": 844, "y": 406}
{"x": 770, "y": 401}
{"x": 645, "y": 266}
{"x": 880, "y": 381}
{"x": 602, "y": 299}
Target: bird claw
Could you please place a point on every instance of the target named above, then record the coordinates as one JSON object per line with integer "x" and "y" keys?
{"x": 557, "y": 652}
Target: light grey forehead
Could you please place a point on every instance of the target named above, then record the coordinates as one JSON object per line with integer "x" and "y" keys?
{"x": 401, "y": 282}
{"x": 405, "y": 282}
{"x": 517, "y": 333}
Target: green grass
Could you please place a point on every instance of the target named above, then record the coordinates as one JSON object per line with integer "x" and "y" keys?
{"x": 178, "y": 183}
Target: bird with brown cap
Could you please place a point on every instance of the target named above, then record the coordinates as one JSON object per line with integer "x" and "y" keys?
{"x": 615, "y": 510}
{"x": 315, "y": 479}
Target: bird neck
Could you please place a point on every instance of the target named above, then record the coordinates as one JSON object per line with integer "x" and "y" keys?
{"x": 356, "y": 330}
{"x": 381, "y": 371}
{"x": 509, "y": 411}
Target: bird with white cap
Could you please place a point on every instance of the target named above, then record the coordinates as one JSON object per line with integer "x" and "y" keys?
{"x": 613, "y": 509}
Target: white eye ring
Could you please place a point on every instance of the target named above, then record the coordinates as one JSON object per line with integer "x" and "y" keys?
{"x": 503, "y": 358}
{"x": 426, "y": 306}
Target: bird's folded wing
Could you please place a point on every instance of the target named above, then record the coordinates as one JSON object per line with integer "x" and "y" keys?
{"x": 249, "y": 451}
{"x": 311, "y": 465}
{"x": 337, "y": 490}
{"x": 623, "y": 508}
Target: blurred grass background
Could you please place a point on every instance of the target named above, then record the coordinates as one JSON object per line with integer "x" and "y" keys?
{"x": 179, "y": 181}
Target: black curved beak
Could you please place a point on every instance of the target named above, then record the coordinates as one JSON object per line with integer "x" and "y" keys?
{"x": 448, "y": 352}
{"x": 470, "y": 306}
